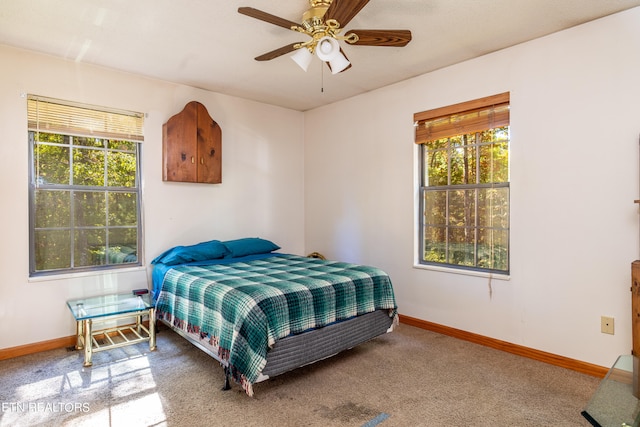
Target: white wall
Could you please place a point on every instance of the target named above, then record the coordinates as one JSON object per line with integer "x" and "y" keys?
{"x": 575, "y": 117}
{"x": 575, "y": 124}
{"x": 261, "y": 192}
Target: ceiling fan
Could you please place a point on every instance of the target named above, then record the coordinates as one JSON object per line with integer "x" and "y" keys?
{"x": 323, "y": 22}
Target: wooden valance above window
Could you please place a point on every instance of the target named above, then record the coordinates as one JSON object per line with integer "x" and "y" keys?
{"x": 466, "y": 117}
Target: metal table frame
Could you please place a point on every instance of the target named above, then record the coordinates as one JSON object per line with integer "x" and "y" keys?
{"x": 114, "y": 337}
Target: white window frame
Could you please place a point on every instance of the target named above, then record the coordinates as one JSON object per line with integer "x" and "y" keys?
{"x": 445, "y": 123}
{"x": 75, "y": 122}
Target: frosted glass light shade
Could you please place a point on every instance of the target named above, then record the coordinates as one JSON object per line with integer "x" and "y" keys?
{"x": 339, "y": 63}
{"x": 327, "y": 48}
{"x": 303, "y": 58}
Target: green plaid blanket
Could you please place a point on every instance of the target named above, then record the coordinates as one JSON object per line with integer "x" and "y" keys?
{"x": 242, "y": 308}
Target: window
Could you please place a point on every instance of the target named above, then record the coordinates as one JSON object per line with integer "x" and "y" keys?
{"x": 84, "y": 187}
{"x": 464, "y": 185}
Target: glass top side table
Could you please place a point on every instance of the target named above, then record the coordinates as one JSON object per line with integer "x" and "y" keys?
{"x": 613, "y": 404}
{"x": 87, "y": 311}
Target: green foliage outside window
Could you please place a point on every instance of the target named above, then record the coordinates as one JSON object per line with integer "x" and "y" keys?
{"x": 85, "y": 202}
{"x": 466, "y": 200}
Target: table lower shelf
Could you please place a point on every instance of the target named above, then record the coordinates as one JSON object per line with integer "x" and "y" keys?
{"x": 120, "y": 336}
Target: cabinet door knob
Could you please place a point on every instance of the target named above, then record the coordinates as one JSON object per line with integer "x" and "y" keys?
{"x": 202, "y": 160}
{"x": 193, "y": 160}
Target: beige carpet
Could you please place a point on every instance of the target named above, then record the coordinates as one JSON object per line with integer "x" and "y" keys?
{"x": 410, "y": 377}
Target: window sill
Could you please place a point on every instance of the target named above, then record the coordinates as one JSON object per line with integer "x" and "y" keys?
{"x": 64, "y": 276}
{"x": 496, "y": 276}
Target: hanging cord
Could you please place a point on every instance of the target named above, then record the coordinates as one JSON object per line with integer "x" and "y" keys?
{"x": 490, "y": 287}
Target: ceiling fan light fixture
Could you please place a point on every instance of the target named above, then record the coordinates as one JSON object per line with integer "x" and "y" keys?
{"x": 339, "y": 63}
{"x": 327, "y": 48}
{"x": 303, "y": 58}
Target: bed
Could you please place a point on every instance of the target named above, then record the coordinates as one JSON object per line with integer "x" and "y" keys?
{"x": 261, "y": 313}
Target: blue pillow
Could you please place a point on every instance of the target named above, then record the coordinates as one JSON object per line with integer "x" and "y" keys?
{"x": 249, "y": 246}
{"x": 203, "y": 251}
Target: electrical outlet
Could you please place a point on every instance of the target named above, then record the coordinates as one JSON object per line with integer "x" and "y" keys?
{"x": 606, "y": 325}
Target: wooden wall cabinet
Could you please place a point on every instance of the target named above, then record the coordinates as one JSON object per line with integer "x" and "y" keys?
{"x": 192, "y": 147}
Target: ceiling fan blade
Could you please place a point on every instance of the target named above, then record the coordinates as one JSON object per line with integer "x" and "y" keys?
{"x": 267, "y": 17}
{"x": 396, "y": 38}
{"x": 277, "y": 52}
{"x": 343, "y": 11}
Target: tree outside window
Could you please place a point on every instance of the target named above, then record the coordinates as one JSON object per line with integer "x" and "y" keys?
{"x": 464, "y": 185}
{"x": 84, "y": 192}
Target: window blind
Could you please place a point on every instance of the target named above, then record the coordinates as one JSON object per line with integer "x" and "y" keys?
{"x": 467, "y": 117}
{"x": 56, "y": 116}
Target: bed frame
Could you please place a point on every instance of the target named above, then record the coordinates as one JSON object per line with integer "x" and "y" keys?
{"x": 299, "y": 350}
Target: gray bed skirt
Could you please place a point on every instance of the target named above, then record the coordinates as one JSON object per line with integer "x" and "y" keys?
{"x": 299, "y": 350}
{"x": 295, "y": 351}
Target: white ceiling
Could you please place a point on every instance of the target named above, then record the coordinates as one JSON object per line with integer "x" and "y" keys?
{"x": 207, "y": 44}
